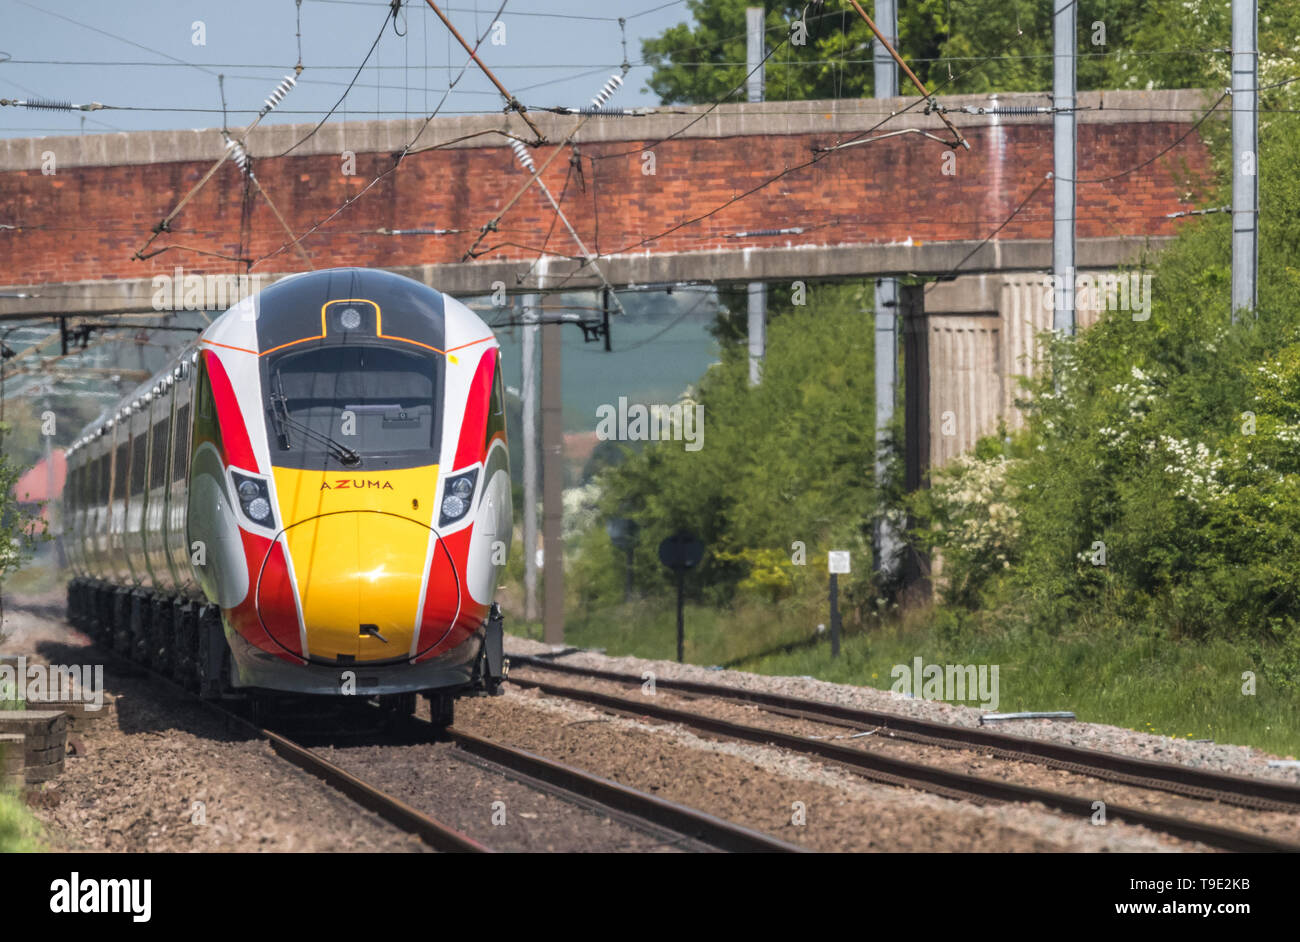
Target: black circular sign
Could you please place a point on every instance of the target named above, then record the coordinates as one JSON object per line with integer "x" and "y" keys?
{"x": 681, "y": 551}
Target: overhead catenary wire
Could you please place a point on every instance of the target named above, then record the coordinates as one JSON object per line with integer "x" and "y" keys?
{"x": 162, "y": 226}
{"x": 122, "y": 39}
{"x": 526, "y": 161}
{"x": 1081, "y": 181}
{"x": 512, "y": 103}
{"x": 492, "y": 224}
{"x": 398, "y": 158}
{"x": 333, "y": 108}
{"x": 559, "y": 16}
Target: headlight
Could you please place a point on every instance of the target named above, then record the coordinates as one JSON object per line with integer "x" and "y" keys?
{"x": 254, "y": 498}
{"x": 457, "y": 496}
{"x": 259, "y": 509}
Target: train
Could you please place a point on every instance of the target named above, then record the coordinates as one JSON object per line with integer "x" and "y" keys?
{"x": 312, "y": 499}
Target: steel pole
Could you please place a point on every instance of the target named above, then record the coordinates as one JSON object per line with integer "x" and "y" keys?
{"x": 552, "y": 487}
{"x": 754, "y": 88}
{"x": 1063, "y": 165}
{"x": 1245, "y": 179}
{"x": 531, "y": 304}
{"x": 887, "y": 541}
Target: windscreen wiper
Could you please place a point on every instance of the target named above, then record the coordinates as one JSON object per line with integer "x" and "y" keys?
{"x": 280, "y": 406}
{"x": 277, "y": 401}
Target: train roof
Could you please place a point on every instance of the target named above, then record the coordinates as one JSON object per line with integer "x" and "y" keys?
{"x": 294, "y": 309}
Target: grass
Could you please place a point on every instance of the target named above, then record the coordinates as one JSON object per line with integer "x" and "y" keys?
{"x": 19, "y": 831}
{"x": 648, "y": 628}
{"x": 1178, "y": 689}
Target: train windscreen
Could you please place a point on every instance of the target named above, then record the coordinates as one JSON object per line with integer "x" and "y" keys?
{"x": 357, "y": 404}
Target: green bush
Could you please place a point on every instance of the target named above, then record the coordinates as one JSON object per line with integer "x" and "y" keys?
{"x": 784, "y": 472}
{"x": 1157, "y": 483}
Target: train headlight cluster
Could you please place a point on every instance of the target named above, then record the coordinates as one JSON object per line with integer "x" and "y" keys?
{"x": 457, "y": 496}
{"x": 254, "y": 498}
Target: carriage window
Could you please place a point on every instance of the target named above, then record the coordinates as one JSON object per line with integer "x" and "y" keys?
{"x": 138, "y": 456}
{"x": 119, "y": 473}
{"x": 204, "y": 396}
{"x": 181, "y": 442}
{"x": 70, "y": 488}
{"x": 158, "y": 458}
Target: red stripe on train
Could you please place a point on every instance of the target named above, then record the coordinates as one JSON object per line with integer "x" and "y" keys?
{"x": 238, "y": 450}
{"x": 473, "y": 427}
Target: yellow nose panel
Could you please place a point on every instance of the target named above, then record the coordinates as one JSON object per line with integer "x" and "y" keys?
{"x": 359, "y": 568}
{"x": 358, "y": 558}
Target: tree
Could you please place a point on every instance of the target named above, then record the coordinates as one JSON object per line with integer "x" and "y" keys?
{"x": 967, "y": 47}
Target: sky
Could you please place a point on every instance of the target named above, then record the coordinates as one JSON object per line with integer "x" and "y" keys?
{"x": 153, "y": 58}
{"x": 134, "y": 53}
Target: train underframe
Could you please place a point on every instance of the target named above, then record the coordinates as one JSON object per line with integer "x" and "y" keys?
{"x": 184, "y": 639}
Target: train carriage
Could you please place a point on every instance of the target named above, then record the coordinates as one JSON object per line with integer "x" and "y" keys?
{"x": 313, "y": 498}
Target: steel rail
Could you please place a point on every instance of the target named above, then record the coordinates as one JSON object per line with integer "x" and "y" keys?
{"x": 1243, "y": 791}
{"x": 396, "y": 812}
{"x": 928, "y": 778}
{"x": 437, "y": 835}
{"x": 622, "y": 800}
{"x": 664, "y": 814}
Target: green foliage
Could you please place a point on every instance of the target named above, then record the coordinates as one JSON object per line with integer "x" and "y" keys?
{"x": 19, "y": 831}
{"x": 972, "y": 519}
{"x": 786, "y": 462}
{"x": 20, "y": 530}
{"x": 1158, "y": 483}
{"x": 1105, "y": 674}
{"x": 966, "y": 47}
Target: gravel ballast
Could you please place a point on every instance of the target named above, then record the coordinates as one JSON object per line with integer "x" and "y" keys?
{"x": 1219, "y": 757}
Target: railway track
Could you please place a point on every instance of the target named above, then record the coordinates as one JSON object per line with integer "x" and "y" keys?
{"x": 650, "y": 813}
{"x": 577, "y": 786}
{"x": 1240, "y": 790}
{"x": 931, "y": 778}
{"x": 434, "y": 833}
{"x": 584, "y": 787}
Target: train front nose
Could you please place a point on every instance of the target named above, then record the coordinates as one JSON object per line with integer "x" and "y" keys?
{"x": 360, "y": 577}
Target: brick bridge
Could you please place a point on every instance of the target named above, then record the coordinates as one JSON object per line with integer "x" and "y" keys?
{"x": 900, "y": 206}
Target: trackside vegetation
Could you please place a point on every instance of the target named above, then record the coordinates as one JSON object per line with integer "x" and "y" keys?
{"x": 1131, "y": 553}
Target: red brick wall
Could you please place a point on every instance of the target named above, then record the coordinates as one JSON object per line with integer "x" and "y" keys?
{"x": 86, "y": 223}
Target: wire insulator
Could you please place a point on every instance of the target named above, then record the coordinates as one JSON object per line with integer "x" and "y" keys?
{"x": 277, "y": 95}
{"x": 607, "y": 90}
{"x": 607, "y": 111}
{"x": 47, "y": 104}
{"x": 1006, "y": 110}
{"x": 521, "y": 154}
{"x": 238, "y": 155}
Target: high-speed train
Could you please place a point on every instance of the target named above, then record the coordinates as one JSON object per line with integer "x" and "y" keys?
{"x": 313, "y": 498}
